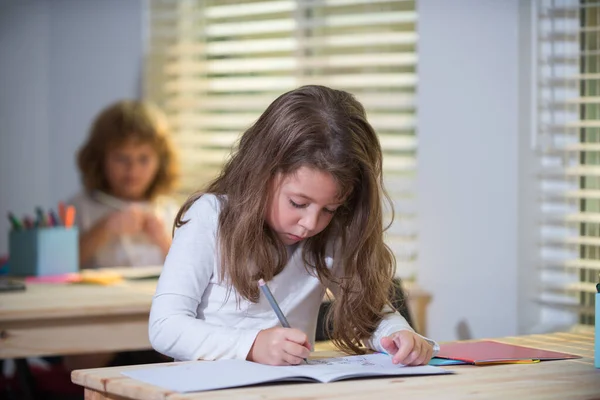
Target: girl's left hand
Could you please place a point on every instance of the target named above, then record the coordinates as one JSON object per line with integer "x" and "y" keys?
{"x": 407, "y": 348}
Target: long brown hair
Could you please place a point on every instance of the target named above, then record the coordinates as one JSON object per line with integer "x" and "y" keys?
{"x": 121, "y": 122}
{"x": 325, "y": 129}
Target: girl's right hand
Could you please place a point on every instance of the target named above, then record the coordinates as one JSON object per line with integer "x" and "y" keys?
{"x": 279, "y": 346}
{"x": 126, "y": 222}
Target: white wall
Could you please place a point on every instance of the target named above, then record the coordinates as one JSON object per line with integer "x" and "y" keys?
{"x": 96, "y": 58}
{"x": 529, "y": 314}
{"x": 61, "y": 61}
{"x": 24, "y": 131}
{"x": 468, "y": 134}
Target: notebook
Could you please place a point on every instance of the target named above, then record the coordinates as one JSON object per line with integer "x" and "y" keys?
{"x": 444, "y": 362}
{"x": 490, "y": 352}
{"x": 199, "y": 376}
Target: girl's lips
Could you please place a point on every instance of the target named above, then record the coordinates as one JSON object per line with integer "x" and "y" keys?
{"x": 294, "y": 237}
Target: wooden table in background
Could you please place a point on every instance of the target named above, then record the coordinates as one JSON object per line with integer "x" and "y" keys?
{"x": 417, "y": 300}
{"x": 63, "y": 319}
{"x": 567, "y": 379}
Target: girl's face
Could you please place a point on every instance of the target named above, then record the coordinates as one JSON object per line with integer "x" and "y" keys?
{"x": 130, "y": 169}
{"x": 301, "y": 204}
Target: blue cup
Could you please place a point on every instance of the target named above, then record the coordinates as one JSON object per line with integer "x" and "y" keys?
{"x": 43, "y": 251}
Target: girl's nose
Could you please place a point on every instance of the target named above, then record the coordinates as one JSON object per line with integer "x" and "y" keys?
{"x": 309, "y": 221}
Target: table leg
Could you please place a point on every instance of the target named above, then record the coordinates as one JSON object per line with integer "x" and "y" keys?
{"x": 26, "y": 381}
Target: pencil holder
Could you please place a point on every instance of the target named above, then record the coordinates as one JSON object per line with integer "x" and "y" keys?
{"x": 597, "y": 333}
{"x": 43, "y": 251}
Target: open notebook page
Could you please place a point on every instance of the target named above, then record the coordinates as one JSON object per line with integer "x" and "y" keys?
{"x": 210, "y": 375}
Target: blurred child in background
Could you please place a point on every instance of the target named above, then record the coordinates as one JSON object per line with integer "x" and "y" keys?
{"x": 128, "y": 168}
{"x": 124, "y": 214}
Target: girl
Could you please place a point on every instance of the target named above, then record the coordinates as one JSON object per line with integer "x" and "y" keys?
{"x": 126, "y": 165}
{"x": 299, "y": 204}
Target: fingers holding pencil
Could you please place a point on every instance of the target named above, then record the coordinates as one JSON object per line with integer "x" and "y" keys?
{"x": 284, "y": 346}
{"x": 280, "y": 346}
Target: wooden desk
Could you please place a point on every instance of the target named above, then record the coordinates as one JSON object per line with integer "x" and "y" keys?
{"x": 63, "y": 319}
{"x": 572, "y": 379}
{"x": 417, "y": 300}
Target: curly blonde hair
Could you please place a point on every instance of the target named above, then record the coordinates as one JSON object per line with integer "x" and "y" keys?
{"x": 121, "y": 122}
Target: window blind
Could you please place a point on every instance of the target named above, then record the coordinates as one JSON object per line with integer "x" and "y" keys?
{"x": 214, "y": 66}
{"x": 568, "y": 143}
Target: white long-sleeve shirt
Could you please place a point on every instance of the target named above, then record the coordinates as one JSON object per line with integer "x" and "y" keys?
{"x": 195, "y": 316}
{"x": 135, "y": 250}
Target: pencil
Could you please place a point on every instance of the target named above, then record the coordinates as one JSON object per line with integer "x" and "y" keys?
{"x": 16, "y": 224}
{"x": 265, "y": 289}
{"x": 282, "y": 319}
{"x": 69, "y": 216}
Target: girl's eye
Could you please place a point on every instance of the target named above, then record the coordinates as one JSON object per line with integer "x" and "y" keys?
{"x": 328, "y": 211}
{"x": 296, "y": 205}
